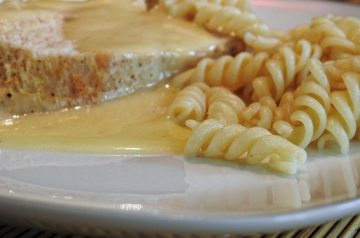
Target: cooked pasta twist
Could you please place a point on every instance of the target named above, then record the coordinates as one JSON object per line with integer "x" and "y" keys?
{"x": 190, "y": 103}
{"x": 227, "y": 71}
{"x": 224, "y": 105}
{"x": 186, "y": 6}
{"x": 343, "y": 118}
{"x": 228, "y": 17}
{"x": 269, "y": 77}
{"x": 335, "y": 69}
{"x": 243, "y": 5}
{"x": 258, "y": 114}
{"x": 351, "y": 27}
{"x": 233, "y": 22}
{"x": 256, "y": 145}
{"x": 258, "y": 42}
{"x": 265, "y": 112}
{"x": 338, "y": 37}
{"x": 308, "y": 119}
{"x": 287, "y": 65}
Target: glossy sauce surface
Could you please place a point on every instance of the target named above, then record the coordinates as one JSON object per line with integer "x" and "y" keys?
{"x": 118, "y": 25}
{"x": 135, "y": 124}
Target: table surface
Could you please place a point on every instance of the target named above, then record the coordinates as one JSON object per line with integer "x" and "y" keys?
{"x": 347, "y": 227}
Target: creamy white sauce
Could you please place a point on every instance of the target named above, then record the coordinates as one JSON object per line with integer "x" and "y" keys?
{"x": 136, "y": 124}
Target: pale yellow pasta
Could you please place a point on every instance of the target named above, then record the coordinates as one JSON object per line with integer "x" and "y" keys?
{"x": 224, "y": 105}
{"x": 286, "y": 105}
{"x": 342, "y": 114}
{"x": 257, "y": 42}
{"x": 256, "y": 145}
{"x": 350, "y": 64}
{"x": 307, "y": 121}
{"x": 233, "y": 22}
{"x": 343, "y": 119}
{"x": 351, "y": 27}
{"x": 338, "y": 37}
{"x": 190, "y": 103}
{"x": 283, "y": 68}
{"x": 176, "y": 5}
{"x": 228, "y": 17}
{"x": 263, "y": 113}
{"x": 227, "y": 71}
{"x": 267, "y": 76}
{"x": 242, "y": 5}
{"x": 304, "y": 87}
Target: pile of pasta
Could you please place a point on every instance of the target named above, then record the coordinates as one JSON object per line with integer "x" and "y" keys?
{"x": 265, "y": 105}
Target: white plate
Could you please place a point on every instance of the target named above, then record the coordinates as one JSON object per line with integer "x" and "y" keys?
{"x": 101, "y": 194}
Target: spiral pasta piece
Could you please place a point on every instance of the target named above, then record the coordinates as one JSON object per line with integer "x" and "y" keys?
{"x": 258, "y": 42}
{"x": 335, "y": 70}
{"x": 308, "y": 118}
{"x": 351, "y": 27}
{"x": 227, "y": 71}
{"x": 176, "y": 5}
{"x": 269, "y": 77}
{"x": 243, "y": 5}
{"x": 265, "y": 112}
{"x": 343, "y": 119}
{"x": 256, "y": 145}
{"x": 190, "y": 103}
{"x": 224, "y": 105}
{"x": 338, "y": 37}
{"x": 287, "y": 65}
{"x": 228, "y": 17}
{"x": 233, "y": 22}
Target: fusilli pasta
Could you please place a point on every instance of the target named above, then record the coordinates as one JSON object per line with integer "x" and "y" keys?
{"x": 288, "y": 64}
{"x": 256, "y": 145}
{"x": 351, "y": 27}
{"x": 269, "y": 77}
{"x": 265, "y": 112}
{"x": 227, "y": 71}
{"x": 176, "y": 5}
{"x": 190, "y": 103}
{"x": 304, "y": 87}
{"x": 343, "y": 119}
{"x": 308, "y": 119}
{"x": 338, "y": 37}
{"x": 224, "y": 105}
{"x": 231, "y": 18}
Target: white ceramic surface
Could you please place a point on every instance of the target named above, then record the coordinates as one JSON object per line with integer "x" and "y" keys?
{"x": 103, "y": 194}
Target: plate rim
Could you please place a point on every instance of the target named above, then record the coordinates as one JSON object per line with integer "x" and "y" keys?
{"x": 64, "y": 213}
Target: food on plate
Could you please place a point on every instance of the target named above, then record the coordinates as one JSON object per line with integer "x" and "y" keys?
{"x": 60, "y": 54}
{"x": 256, "y": 145}
{"x": 260, "y": 106}
{"x": 338, "y": 37}
{"x": 227, "y": 71}
{"x": 304, "y": 89}
{"x": 231, "y": 18}
{"x": 190, "y": 103}
{"x": 268, "y": 76}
